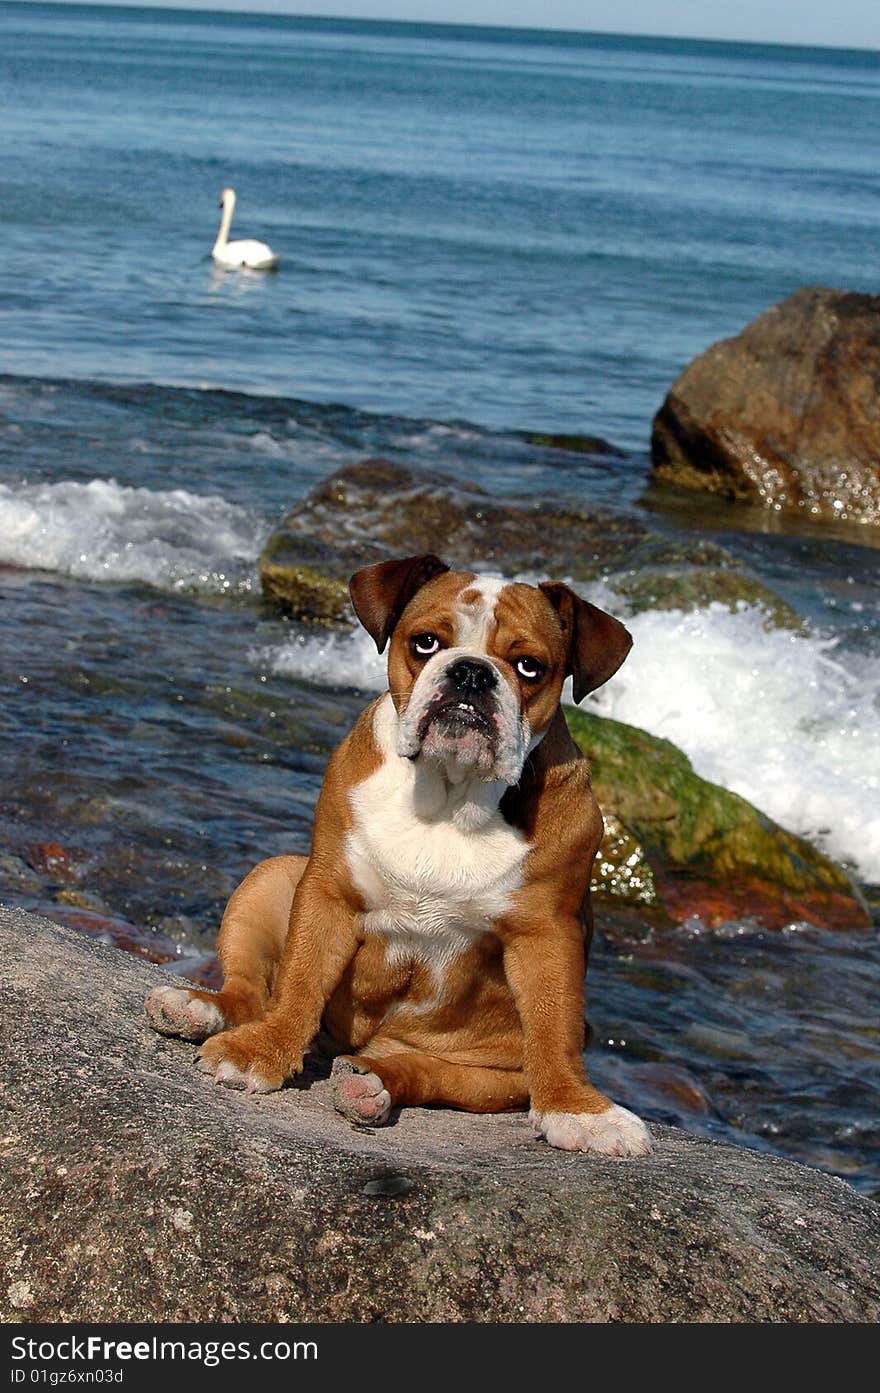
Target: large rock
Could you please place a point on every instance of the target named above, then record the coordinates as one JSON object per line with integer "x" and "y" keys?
{"x": 697, "y": 848}
{"x": 378, "y": 508}
{"x": 787, "y": 414}
{"x": 133, "y": 1189}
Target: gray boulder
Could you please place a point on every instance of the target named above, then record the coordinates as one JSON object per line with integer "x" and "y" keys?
{"x": 135, "y": 1190}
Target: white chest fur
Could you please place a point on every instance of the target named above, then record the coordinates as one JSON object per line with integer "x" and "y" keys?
{"x": 436, "y": 865}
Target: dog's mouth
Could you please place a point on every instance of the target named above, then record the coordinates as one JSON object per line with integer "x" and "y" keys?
{"x": 472, "y": 729}
{"x": 458, "y": 716}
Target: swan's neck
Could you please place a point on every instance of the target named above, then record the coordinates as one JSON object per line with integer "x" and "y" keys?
{"x": 225, "y": 222}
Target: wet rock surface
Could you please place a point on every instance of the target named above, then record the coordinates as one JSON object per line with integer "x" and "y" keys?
{"x": 573, "y": 444}
{"x": 701, "y": 849}
{"x": 690, "y": 588}
{"x": 133, "y": 1189}
{"x": 784, "y": 414}
{"x": 378, "y": 508}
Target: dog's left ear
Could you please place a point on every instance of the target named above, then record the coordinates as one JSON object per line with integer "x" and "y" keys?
{"x": 597, "y": 642}
{"x": 381, "y": 593}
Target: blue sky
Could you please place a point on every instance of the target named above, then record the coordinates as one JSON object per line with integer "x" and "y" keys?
{"x": 843, "y": 23}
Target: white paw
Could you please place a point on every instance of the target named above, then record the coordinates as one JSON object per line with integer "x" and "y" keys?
{"x": 614, "y": 1132}
{"x": 175, "y": 1011}
{"x": 249, "y": 1080}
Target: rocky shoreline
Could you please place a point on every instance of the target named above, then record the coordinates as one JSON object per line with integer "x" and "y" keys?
{"x": 782, "y": 416}
{"x": 132, "y": 1189}
{"x": 676, "y": 847}
{"x": 679, "y": 851}
{"x": 675, "y": 843}
{"x": 693, "y": 848}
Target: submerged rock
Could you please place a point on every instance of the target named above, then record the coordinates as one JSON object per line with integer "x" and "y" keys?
{"x": 303, "y": 592}
{"x": 573, "y": 444}
{"x": 694, "y": 588}
{"x": 784, "y": 414}
{"x": 378, "y": 508}
{"x": 133, "y": 1189}
{"x": 710, "y": 852}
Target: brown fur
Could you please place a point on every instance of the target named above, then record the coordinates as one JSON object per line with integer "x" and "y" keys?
{"x": 509, "y": 1025}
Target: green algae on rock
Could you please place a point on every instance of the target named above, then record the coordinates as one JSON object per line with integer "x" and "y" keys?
{"x": 378, "y": 508}
{"x": 303, "y": 592}
{"x": 708, "y": 847}
{"x": 696, "y": 588}
{"x": 572, "y": 443}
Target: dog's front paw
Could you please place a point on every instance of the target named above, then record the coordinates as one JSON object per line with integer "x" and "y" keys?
{"x": 187, "y": 1014}
{"x": 359, "y": 1095}
{"x": 245, "y": 1058}
{"x": 614, "y": 1132}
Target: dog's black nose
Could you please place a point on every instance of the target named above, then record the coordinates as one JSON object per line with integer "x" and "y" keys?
{"x": 469, "y": 675}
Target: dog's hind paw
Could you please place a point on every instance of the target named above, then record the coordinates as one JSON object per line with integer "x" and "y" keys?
{"x": 614, "y": 1132}
{"x": 178, "y": 1011}
{"x": 358, "y": 1094}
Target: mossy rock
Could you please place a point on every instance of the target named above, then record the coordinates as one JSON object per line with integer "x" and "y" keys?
{"x": 304, "y": 592}
{"x": 573, "y": 444}
{"x": 695, "y": 588}
{"x": 378, "y": 508}
{"x": 689, "y": 826}
{"x": 621, "y": 870}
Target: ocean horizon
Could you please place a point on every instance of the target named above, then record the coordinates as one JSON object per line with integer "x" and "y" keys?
{"x": 447, "y": 27}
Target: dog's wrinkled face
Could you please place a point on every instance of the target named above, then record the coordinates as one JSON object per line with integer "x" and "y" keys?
{"x": 475, "y": 668}
{"x": 476, "y": 664}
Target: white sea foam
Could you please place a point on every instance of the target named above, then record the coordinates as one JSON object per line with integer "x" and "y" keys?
{"x": 346, "y": 659}
{"x": 778, "y": 717}
{"x": 101, "y": 530}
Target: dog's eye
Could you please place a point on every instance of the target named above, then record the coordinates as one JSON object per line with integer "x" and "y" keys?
{"x": 529, "y": 669}
{"x": 425, "y": 645}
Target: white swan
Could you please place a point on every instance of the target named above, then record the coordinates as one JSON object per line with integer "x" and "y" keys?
{"x": 256, "y": 256}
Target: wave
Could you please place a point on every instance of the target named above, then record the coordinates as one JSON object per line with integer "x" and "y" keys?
{"x": 781, "y": 718}
{"x": 29, "y": 397}
{"x": 268, "y": 419}
{"x": 104, "y": 531}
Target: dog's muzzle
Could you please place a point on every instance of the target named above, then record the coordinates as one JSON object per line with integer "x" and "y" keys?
{"x": 463, "y": 715}
{"x": 465, "y": 702}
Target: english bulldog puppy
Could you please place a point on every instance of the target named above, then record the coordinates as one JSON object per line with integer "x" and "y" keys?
{"x": 436, "y": 934}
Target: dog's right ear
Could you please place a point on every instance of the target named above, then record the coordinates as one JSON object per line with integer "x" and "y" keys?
{"x": 381, "y": 593}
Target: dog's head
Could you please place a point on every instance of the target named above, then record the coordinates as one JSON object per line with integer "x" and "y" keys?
{"x": 476, "y": 665}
